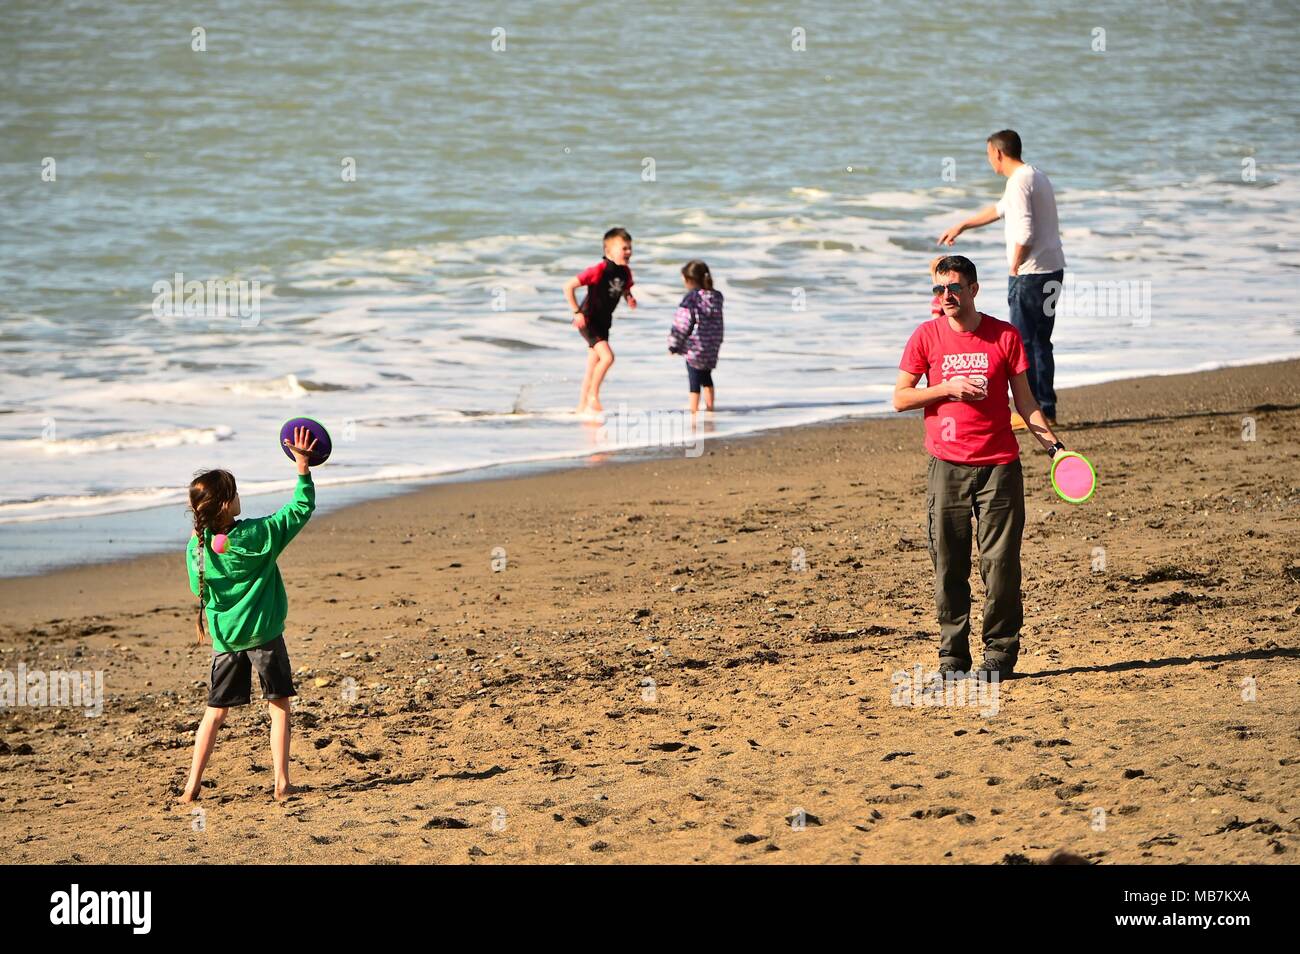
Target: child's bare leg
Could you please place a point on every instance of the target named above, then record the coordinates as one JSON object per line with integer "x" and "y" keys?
{"x": 708, "y": 399}
{"x": 695, "y": 401}
{"x": 604, "y": 361}
{"x": 281, "y": 731}
{"x": 204, "y": 739}
{"x": 586, "y": 380}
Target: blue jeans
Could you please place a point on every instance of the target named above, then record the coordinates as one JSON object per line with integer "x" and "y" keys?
{"x": 1033, "y": 312}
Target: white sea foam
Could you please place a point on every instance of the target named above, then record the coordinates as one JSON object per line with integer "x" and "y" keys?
{"x": 105, "y": 443}
{"x": 285, "y": 388}
{"x": 898, "y": 200}
{"x": 423, "y": 379}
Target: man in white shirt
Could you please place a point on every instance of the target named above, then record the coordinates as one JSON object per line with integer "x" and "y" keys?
{"x": 1035, "y": 258}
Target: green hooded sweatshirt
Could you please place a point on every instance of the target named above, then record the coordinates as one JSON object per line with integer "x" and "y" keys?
{"x": 245, "y": 598}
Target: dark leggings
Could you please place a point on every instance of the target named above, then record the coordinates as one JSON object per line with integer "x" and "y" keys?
{"x": 699, "y": 378}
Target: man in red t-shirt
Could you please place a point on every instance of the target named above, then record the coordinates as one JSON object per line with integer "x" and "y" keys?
{"x": 970, "y": 360}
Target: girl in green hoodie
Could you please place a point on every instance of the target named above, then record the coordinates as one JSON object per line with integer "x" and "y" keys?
{"x": 242, "y": 606}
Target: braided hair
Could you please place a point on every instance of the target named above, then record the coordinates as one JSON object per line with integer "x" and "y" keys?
{"x": 210, "y": 492}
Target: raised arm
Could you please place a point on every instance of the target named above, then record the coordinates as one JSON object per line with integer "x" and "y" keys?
{"x": 283, "y": 525}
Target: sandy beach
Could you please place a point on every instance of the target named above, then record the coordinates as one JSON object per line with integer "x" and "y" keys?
{"x": 647, "y": 672}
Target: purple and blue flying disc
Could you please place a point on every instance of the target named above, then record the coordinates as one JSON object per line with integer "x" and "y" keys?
{"x": 317, "y": 430}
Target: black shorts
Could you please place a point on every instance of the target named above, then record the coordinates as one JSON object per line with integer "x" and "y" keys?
{"x": 699, "y": 378}
{"x": 596, "y": 330}
{"x": 232, "y": 675}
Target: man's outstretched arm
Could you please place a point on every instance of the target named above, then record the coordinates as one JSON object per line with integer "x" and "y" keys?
{"x": 982, "y": 217}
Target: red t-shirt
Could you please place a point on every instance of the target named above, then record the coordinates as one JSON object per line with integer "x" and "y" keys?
{"x": 969, "y": 432}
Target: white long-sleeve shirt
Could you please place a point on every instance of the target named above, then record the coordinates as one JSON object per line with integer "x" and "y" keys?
{"x": 1028, "y": 209}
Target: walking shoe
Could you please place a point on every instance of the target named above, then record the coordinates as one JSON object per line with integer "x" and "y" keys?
{"x": 951, "y": 668}
{"x": 990, "y": 666}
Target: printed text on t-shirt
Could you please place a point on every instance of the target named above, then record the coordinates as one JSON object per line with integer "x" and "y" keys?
{"x": 975, "y": 364}
{"x": 965, "y": 363}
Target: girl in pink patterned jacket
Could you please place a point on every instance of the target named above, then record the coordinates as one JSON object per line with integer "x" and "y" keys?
{"x": 697, "y": 331}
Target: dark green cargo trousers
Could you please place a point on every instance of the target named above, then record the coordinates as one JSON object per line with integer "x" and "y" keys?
{"x": 995, "y": 496}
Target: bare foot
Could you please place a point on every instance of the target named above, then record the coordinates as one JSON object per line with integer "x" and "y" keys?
{"x": 187, "y": 797}
{"x": 281, "y": 793}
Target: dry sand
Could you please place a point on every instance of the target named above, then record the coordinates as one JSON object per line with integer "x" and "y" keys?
{"x": 505, "y": 716}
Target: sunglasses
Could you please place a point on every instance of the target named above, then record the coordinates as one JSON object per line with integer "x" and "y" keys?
{"x": 956, "y": 288}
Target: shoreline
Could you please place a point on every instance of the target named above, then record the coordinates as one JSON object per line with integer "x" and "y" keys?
{"x": 649, "y": 675}
{"x": 364, "y": 491}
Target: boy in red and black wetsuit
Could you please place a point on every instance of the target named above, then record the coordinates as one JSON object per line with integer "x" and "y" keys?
{"x": 607, "y": 281}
